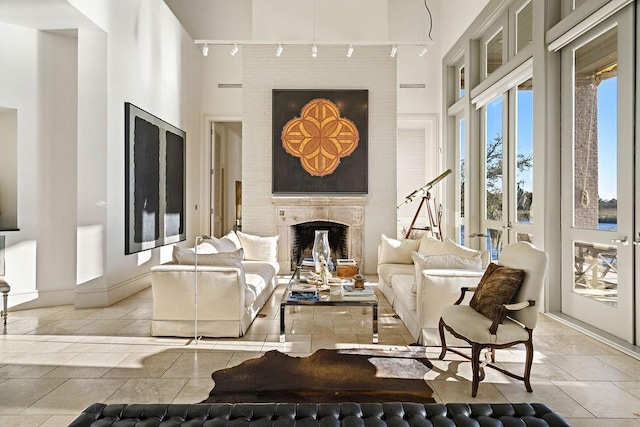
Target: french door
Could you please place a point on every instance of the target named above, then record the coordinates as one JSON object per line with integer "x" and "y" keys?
{"x": 598, "y": 177}
{"x": 508, "y": 171}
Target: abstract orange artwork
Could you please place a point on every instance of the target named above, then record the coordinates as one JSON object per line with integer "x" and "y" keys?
{"x": 320, "y": 137}
{"x": 320, "y": 140}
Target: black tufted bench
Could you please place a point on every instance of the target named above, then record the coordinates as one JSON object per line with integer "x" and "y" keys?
{"x": 392, "y": 414}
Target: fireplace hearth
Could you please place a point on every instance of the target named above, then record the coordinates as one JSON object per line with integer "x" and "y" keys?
{"x": 303, "y": 236}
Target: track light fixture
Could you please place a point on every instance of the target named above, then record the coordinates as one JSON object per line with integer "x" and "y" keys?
{"x": 234, "y": 50}
{"x": 314, "y": 51}
{"x": 394, "y": 50}
{"x": 279, "y": 50}
{"x": 423, "y": 51}
{"x": 205, "y": 50}
{"x": 349, "y": 51}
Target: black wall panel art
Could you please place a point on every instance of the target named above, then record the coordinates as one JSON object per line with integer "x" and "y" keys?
{"x": 320, "y": 141}
{"x": 154, "y": 181}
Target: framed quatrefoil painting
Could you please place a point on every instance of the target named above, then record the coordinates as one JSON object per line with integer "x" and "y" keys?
{"x": 320, "y": 141}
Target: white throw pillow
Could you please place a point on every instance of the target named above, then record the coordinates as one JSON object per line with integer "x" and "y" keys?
{"x": 221, "y": 259}
{"x": 259, "y": 248}
{"x": 445, "y": 262}
{"x": 227, "y": 243}
{"x": 203, "y": 248}
{"x": 394, "y": 251}
{"x": 432, "y": 246}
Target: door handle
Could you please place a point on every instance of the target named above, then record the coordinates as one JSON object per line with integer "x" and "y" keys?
{"x": 624, "y": 241}
{"x": 637, "y": 241}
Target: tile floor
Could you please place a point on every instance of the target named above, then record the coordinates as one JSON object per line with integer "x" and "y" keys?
{"x": 56, "y": 361}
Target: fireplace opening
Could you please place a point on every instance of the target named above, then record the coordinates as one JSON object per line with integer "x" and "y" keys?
{"x": 304, "y": 234}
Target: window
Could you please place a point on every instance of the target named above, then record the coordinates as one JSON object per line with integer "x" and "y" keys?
{"x": 494, "y": 57}
{"x": 524, "y": 26}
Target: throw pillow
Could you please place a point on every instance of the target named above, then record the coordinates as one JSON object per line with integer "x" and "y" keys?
{"x": 259, "y": 248}
{"x": 203, "y": 248}
{"x": 446, "y": 262}
{"x": 431, "y": 246}
{"x": 499, "y": 285}
{"x": 227, "y": 243}
{"x": 394, "y": 251}
{"x": 221, "y": 259}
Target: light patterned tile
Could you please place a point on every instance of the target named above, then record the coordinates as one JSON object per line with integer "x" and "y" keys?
{"x": 194, "y": 391}
{"x": 28, "y": 420}
{"x": 145, "y": 390}
{"x": 75, "y": 395}
{"x": 143, "y": 365}
{"x": 18, "y": 394}
{"x": 588, "y": 368}
{"x": 460, "y": 391}
{"x": 198, "y": 364}
{"x": 602, "y": 399}
{"x": 548, "y": 394}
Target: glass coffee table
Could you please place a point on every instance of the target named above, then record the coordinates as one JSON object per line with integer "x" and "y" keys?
{"x": 331, "y": 297}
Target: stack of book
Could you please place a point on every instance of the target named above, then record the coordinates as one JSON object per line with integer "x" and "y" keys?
{"x": 304, "y": 292}
{"x": 350, "y": 291}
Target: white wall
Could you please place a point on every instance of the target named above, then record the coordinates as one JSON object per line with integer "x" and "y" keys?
{"x": 371, "y": 69}
{"x": 71, "y": 166}
{"x": 456, "y": 16}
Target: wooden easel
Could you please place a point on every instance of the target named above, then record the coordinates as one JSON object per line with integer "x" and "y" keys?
{"x": 434, "y": 223}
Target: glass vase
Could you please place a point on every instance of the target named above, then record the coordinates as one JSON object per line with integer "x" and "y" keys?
{"x": 321, "y": 250}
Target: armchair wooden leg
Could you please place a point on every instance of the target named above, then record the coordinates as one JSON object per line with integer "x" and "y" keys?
{"x": 443, "y": 352}
{"x": 475, "y": 368}
{"x": 527, "y": 367}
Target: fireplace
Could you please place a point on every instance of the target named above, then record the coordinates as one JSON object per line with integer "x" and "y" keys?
{"x": 303, "y": 235}
{"x": 344, "y": 213}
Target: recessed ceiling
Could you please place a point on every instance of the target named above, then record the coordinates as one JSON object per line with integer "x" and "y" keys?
{"x": 44, "y": 15}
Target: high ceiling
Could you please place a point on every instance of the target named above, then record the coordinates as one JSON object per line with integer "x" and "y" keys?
{"x": 328, "y": 21}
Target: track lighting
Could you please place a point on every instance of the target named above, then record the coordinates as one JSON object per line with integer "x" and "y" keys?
{"x": 279, "y": 50}
{"x": 234, "y": 50}
{"x": 394, "y": 50}
{"x": 423, "y": 51}
{"x": 314, "y": 51}
{"x": 349, "y": 51}
{"x": 205, "y": 50}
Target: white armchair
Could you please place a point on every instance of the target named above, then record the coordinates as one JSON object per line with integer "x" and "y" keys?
{"x": 482, "y": 332}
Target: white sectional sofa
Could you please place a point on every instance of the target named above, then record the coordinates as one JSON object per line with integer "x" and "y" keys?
{"x": 420, "y": 277}
{"x": 236, "y": 275}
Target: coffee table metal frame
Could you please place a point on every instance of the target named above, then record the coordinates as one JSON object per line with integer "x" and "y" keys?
{"x": 332, "y": 298}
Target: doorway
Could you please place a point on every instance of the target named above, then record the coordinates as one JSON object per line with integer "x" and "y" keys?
{"x": 225, "y": 177}
{"x": 597, "y": 158}
{"x": 508, "y": 168}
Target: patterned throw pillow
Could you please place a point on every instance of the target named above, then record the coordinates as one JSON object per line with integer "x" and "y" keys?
{"x": 499, "y": 285}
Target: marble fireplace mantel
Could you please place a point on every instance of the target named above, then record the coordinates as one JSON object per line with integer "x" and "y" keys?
{"x": 293, "y": 210}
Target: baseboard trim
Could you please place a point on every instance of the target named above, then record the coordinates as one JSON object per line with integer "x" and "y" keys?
{"x": 94, "y": 298}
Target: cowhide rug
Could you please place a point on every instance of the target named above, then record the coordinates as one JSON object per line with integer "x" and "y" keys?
{"x": 326, "y": 376}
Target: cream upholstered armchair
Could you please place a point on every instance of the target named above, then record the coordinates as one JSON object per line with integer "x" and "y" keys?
{"x": 504, "y": 312}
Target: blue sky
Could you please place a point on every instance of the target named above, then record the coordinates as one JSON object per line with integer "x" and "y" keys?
{"x": 608, "y": 139}
{"x": 607, "y": 133}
